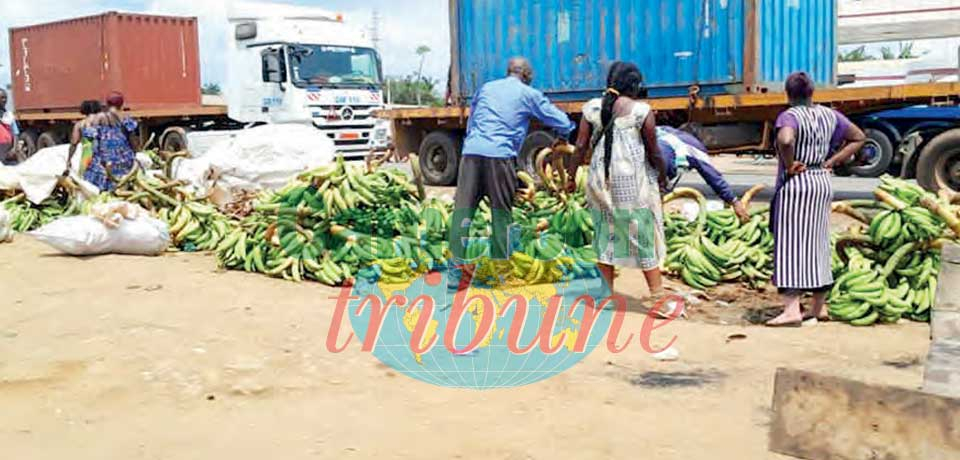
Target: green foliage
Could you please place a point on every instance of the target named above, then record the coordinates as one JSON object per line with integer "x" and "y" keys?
{"x": 856, "y": 55}
{"x": 887, "y": 54}
{"x": 906, "y": 51}
{"x": 211, "y": 89}
{"x": 404, "y": 91}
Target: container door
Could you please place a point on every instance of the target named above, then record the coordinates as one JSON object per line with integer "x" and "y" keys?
{"x": 690, "y": 42}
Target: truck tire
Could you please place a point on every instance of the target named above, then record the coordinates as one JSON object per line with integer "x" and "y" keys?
{"x": 939, "y": 164}
{"x": 532, "y": 145}
{"x": 877, "y": 154}
{"x": 28, "y": 139}
{"x": 49, "y": 139}
{"x": 440, "y": 157}
{"x": 174, "y": 140}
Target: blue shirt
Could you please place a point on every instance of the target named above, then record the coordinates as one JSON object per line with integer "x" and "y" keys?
{"x": 500, "y": 115}
{"x": 692, "y": 155}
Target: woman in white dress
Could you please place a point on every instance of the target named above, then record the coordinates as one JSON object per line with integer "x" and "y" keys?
{"x": 626, "y": 176}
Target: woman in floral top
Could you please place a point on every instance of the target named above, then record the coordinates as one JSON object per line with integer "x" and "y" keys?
{"x": 112, "y": 136}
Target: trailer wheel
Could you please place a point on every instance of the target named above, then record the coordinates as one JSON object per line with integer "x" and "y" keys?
{"x": 876, "y": 155}
{"x": 28, "y": 143}
{"x": 440, "y": 157}
{"x": 174, "y": 140}
{"x": 939, "y": 164}
{"x": 532, "y": 145}
{"x": 48, "y": 139}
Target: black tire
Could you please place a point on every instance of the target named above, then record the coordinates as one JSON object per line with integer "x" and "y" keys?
{"x": 939, "y": 164}
{"x": 49, "y": 139}
{"x": 842, "y": 171}
{"x": 875, "y": 157}
{"x": 532, "y": 145}
{"x": 440, "y": 157}
{"x": 174, "y": 140}
{"x": 28, "y": 139}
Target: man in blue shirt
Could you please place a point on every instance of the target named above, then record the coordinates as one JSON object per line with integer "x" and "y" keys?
{"x": 500, "y": 114}
{"x": 683, "y": 151}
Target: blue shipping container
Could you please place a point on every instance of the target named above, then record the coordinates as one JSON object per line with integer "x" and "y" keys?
{"x": 724, "y": 46}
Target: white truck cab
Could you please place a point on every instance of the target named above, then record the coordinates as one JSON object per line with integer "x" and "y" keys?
{"x": 304, "y": 65}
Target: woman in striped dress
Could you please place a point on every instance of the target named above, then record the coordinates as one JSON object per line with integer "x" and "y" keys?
{"x": 800, "y": 219}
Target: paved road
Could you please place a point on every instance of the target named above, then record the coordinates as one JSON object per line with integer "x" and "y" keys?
{"x": 742, "y": 174}
{"x": 845, "y": 188}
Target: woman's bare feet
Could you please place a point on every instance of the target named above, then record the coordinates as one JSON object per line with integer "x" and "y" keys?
{"x": 786, "y": 319}
{"x": 792, "y": 316}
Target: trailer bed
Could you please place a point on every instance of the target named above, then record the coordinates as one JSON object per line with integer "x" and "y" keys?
{"x": 410, "y": 125}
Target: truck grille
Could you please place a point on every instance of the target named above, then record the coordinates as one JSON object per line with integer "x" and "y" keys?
{"x": 333, "y": 114}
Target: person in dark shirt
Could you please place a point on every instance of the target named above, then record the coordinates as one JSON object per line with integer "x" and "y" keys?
{"x": 682, "y": 151}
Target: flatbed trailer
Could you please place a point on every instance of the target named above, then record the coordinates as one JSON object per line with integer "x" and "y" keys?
{"x": 727, "y": 123}
{"x": 168, "y": 126}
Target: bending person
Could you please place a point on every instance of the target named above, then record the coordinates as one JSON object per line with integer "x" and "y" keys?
{"x": 682, "y": 152}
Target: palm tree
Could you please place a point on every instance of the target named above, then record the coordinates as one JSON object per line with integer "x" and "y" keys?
{"x": 422, "y": 51}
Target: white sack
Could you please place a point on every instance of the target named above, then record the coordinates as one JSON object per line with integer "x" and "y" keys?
{"x": 38, "y": 175}
{"x": 6, "y": 227}
{"x": 264, "y": 157}
{"x": 88, "y": 236}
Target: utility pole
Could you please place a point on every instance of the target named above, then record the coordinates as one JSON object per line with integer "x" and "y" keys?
{"x": 375, "y": 30}
{"x": 375, "y": 38}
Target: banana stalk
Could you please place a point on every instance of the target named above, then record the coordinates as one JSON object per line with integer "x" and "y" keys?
{"x": 889, "y": 199}
{"x": 941, "y": 211}
{"x": 417, "y": 175}
{"x": 748, "y": 196}
{"x": 845, "y": 208}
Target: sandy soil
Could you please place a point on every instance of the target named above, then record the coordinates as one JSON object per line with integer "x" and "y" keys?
{"x": 167, "y": 358}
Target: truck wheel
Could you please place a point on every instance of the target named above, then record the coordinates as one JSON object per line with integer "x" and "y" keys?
{"x": 174, "y": 140}
{"x": 440, "y": 157}
{"x": 532, "y": 145}
{"x": 939, "y": 164}
{"x": 28, "y": 142}
{"x": 48, "y": 139}
{"x": 875, "y": 157}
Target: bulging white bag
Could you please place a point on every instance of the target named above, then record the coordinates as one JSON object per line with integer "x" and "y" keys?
{"x": 88, "y": 236}
{"x": 6, "y": 227}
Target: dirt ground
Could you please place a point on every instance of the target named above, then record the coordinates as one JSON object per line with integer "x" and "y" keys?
{"x": 167, "y": 358}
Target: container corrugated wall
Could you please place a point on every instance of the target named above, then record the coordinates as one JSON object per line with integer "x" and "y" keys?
{"x": 153, "y": 60}
{"x": 797, "y": 35}
{"x": 53, "y": 65}
{"x": 158, "y": 59}
{"x": 676, "y": 43}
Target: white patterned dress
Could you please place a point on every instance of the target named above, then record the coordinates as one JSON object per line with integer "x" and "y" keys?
{"x": 627, "y": 209}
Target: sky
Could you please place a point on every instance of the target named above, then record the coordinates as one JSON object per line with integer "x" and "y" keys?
{"x": 404, "y": 25}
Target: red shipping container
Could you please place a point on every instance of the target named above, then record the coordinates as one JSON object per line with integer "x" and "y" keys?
{"x": 153, "y": 60}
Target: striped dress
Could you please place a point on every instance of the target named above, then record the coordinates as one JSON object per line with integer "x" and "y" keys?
{"x": 800, "y": 216}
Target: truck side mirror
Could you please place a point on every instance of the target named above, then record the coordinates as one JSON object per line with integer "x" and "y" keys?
{"x": 273, "y": 68}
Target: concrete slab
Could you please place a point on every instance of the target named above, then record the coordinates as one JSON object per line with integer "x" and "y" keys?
{"x": 818, "y": 417}
{"x": 951, "y": 254}
{"x": 942, "y": 373}
{"x": 945, "y": 325}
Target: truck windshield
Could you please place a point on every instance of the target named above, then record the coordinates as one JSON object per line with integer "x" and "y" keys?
{"x": 340, "y": 66}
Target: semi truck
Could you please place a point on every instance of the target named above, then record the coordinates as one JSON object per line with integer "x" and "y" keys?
{"x": 284, "y": 65}
{"x": 714, "y": 67}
